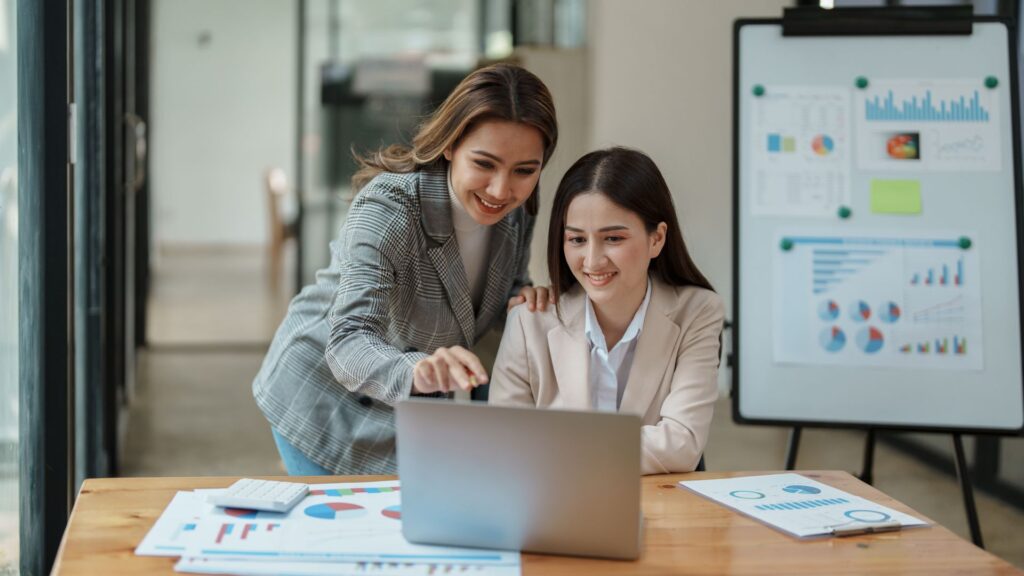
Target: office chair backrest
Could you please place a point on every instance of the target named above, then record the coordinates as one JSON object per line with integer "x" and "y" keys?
{"x": 276, "y": 186}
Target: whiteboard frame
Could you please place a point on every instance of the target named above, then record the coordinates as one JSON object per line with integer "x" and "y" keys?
{"x": 736, "y": 364}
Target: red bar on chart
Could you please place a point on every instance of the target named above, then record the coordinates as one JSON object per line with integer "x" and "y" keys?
{"x": 224, "y": 530}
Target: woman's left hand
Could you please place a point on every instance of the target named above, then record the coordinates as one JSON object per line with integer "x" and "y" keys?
{"x": 535, "y": 298}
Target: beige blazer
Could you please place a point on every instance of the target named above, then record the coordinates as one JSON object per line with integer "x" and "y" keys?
{"x": 672, "y": 384}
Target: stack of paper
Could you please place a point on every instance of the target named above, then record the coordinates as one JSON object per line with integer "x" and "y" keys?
{"x": 337, "y": 530}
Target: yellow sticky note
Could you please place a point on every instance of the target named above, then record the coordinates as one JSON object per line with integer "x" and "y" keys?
{"x": 895, "y": 196}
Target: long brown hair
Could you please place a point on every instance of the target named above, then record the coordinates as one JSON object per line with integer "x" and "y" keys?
{"x": 497, "y": 92}
{"x": 630, "y": 179}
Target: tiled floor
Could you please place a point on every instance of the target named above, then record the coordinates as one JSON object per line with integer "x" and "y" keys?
{"x": 212, "y": 317}
{"x": 214, "y": 296}
{"x": 212, "y": 314}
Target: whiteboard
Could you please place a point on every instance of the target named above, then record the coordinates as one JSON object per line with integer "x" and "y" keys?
{"x": 876, "y": 231}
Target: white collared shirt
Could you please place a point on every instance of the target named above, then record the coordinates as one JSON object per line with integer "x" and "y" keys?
{"x": 609, "y": 369}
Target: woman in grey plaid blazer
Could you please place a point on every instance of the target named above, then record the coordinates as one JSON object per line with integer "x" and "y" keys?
{"x": 394, "y": 313}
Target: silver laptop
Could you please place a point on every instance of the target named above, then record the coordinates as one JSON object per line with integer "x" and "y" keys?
{"x": 520, "y": 478}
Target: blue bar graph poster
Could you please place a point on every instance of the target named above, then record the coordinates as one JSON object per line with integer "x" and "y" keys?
{"x": 929, "y": 125}
{"x": 878, "y": 299}
{"x": 801, "y": 151}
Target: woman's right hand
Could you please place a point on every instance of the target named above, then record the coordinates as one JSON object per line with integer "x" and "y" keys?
{"x": 448, "y": 369}
{"x": 535, "y": 298}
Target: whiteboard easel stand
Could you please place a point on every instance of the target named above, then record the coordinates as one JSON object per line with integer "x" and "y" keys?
{"x": 948, "y": 20}
{"x": 867, "y": 468}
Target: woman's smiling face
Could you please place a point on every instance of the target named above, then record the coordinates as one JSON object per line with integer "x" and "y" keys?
{"x": 608, "y": 248}
{"x": 495, "y": 167}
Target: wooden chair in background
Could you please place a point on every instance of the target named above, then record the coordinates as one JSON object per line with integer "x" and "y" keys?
{"x": 281, "y": 228}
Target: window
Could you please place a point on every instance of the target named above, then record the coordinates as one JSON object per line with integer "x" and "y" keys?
{"x": 8, "y": 291}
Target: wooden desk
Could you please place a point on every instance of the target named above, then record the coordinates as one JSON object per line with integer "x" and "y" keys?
{"x": 684, "y": 534}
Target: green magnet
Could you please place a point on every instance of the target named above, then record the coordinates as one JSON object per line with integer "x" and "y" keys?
{"x": 991, "y": 82}
{"x": 758, "y": 90}
{"x": 844, "y": 212}
{"x": 964, "y": 242}
{"x": 861, "y": 82}
{"x": 786, "y": 244}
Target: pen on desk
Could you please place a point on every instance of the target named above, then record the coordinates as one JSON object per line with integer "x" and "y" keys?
{"x": 855, "y": 529}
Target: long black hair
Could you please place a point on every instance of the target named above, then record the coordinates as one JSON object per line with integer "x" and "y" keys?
{"x": 630, "y": 179}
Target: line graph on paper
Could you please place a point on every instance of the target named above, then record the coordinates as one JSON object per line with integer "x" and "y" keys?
{"x": 949, "y": 312}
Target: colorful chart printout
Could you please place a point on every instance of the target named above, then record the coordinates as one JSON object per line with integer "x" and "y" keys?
{"x": 334, "y": 522}
{"x": 190, "y": 517}
{"x": 800, "y": 151}
{"x": 878, "y": 300}
{"x": 927, "y": 125}
{"x": 797, "y": 504}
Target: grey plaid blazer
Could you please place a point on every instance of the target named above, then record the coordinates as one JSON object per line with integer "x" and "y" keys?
{"x": 394, "y": 292}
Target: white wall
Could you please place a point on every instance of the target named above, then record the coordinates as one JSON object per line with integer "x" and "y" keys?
{"x": 223, "y": 110}
{"x": 660, "y": 81}
{"x": 564, "y": 72}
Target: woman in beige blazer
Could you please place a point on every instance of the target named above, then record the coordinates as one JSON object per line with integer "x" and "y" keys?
{"x": 637, "y": 327}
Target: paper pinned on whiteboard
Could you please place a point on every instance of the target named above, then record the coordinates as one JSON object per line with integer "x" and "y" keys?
{"x": 878, "y": 298}
{"x": 800, "y": 150}
{"x": 928, "y": 125}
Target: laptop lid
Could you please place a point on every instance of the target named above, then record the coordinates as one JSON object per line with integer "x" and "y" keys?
{"x": 547, "y": 481}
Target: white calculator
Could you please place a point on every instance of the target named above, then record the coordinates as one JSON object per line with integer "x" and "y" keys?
{"x": 268, "y": 495}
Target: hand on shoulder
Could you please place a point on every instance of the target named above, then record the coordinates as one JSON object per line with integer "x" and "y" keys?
{"x": 535, "y": 298}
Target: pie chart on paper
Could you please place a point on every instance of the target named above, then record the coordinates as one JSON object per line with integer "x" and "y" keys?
{"x": 822, "y": 145}
{"x": 890, "y": 313}
{"x": 828, "y": 310}
{"x": 860, "y": 311}
{"x": 800, "y": 489}
{"x": 870, "y": 340}
{"x": 832, "y": 339}
{"x": 335, "y": 511}
{"x": 242, "y": 513}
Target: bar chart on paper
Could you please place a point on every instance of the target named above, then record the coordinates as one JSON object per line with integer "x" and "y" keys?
{"x": 922, "y": 108}
{"x": 918, "y": 125}
{"x": 175, "y": 528}
{"x": 878, "y": 300}
{"x": 944, "y": 274}
{"x": 802, "y": 504}
{"x": 229, "y": 531}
